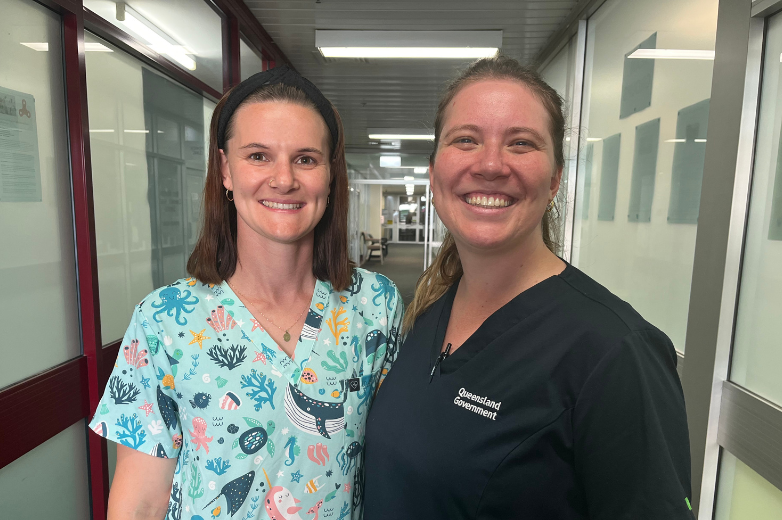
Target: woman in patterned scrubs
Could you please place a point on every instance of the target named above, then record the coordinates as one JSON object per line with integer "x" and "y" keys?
{"x": 242, "y": 392}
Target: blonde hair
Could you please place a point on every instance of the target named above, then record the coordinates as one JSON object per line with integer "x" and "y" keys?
{"x": 446, "y": 268}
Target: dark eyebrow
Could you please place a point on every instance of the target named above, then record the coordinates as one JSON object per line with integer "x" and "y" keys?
{"x": 254, "y": 145}
{"x": 472, "y": 128}
{"x": 309, "y": 150}
{"x": 524, "y": 129}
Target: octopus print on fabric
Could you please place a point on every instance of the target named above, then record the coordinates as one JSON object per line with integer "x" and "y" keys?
{"x": 256, "y": 434}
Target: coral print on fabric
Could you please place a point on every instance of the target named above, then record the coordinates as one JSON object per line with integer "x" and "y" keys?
{"x": 256, "y": 434}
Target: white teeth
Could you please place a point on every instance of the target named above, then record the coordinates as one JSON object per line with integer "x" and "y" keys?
{"x": 275, "y": 205}
{"x": 488, "y": 202}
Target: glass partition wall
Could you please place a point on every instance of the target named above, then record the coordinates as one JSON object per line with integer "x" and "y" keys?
{"x": 659, "y": 148}
{"x": 643, "y": 123}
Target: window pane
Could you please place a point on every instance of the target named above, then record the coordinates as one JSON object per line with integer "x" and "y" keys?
{"x": 37, "y": 263}
{"x": 148, "y": 138}
{"x": 641, "y": 167}
{"x": 743, "y": 494}
{"x": 560, "y": 73}
{"x": 250, "y": 62}
{"x": 50, "y": 481}
{"x": 186, "y": 32}
{"x": 757, "y": 358}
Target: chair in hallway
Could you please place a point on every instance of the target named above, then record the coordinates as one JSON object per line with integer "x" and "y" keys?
{"x": 372, "y": 244}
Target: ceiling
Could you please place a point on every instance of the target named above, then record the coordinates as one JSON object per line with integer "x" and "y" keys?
{"x": 396, "y": 93}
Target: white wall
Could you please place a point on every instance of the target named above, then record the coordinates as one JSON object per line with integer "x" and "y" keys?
{"x": 375, "y": 209}
{"x": 647, "y": 264}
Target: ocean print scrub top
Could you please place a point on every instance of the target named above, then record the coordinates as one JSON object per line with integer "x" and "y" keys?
{"x": 256, "y": 434}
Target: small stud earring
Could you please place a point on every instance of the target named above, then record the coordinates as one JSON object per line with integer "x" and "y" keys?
{"x": 227, "y": 197}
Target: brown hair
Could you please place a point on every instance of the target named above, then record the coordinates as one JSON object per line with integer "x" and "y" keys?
{"x": 215, "y": 255}
{"x": 446, "y": 268}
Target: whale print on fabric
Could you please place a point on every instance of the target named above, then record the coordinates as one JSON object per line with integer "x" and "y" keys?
{"x": 199, "y": 380}
{"x": 312, "y": 416}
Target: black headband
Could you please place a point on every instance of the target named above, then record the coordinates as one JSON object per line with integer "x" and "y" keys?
{"x": 278, "y": 75}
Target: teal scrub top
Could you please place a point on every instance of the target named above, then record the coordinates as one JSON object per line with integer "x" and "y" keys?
{"x": 199, "y": 379}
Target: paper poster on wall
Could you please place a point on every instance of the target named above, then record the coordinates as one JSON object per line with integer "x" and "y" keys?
{"x": 20, "y": 172}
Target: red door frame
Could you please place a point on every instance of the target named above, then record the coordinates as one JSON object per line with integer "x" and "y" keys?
{"x": 79, "y": 383}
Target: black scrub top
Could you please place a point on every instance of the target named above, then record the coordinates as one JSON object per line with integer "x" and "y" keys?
{"x": 564, "y": 404}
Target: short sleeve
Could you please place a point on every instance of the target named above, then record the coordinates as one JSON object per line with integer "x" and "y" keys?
{"x": 139, "y": 406}
{"x": 631, "y": 442}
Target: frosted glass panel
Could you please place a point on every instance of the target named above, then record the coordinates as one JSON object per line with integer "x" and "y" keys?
{"x": 744, "y": 495}
{"x": 249, "y": 62}
{"x": 757, "y": 358}
{"x": 50, "y": 481}
{"x": 148, "y": 143}
{"x": 37, "y": 262}
{"x": 647, "y": 143}
{"x": 644, "y": 258}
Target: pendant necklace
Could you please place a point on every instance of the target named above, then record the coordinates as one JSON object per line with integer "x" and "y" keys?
{"x": 287, "y": 336}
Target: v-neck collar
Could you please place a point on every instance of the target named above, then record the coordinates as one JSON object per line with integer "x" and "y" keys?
{"x": 515, "y": 311}
{"x": 263, "y": 344}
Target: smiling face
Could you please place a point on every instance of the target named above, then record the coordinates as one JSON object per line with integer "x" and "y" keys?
{"x": 277, "y": 166}
{"x": 494, "y": 171}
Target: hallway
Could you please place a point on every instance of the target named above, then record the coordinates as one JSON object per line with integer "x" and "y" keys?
{"x": 403, "y": 265}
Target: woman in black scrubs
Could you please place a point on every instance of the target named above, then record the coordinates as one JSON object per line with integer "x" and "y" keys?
{"x": 524, "y": 389}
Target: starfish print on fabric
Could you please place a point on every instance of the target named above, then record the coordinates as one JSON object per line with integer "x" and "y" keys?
{"x": 347, "y": 487}
{"x": 285, "y": 431}
{"x": 327, "y": 342}
{"x": 199, "y": 338}
{"x": 296, "y": 477}
{"x": 260, "y": 356}
{"x": 209, "y": 297}
{"x": 240, "y": 322}
{"x": 145, "y": 382}
{"x": 256, "y": 325}
{"x": 329, "y": 473}
{"x": 280, "y": 474}
{"x": 182, "y": 334}
{"x": 147, "y": 407}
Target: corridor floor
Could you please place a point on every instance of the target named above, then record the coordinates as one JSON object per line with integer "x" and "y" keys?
{"x": 403, "y": 265}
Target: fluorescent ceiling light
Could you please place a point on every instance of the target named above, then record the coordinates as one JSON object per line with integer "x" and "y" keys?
{"x": 425, "y": 169}
{"x": 684, "y": 140}
{"x": 136, "y": 131}
{"x": 594, "y": 139}
{"x": 672, "y": 54}
{"x": 37, "y": 46}
{"x": 88, "y": 47}
{"x": 409, "y": 178}
{"x": 102, "y": 131}
{"x": 390, "y": 161}
{"x": 409, "y": 52}
{"x": 398, "y": 134}
{"x": 408, "y": 44}
{"x": 394, "y": 137}
{"x": 155, "y": 38}
{"x": 96, "y": 47}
